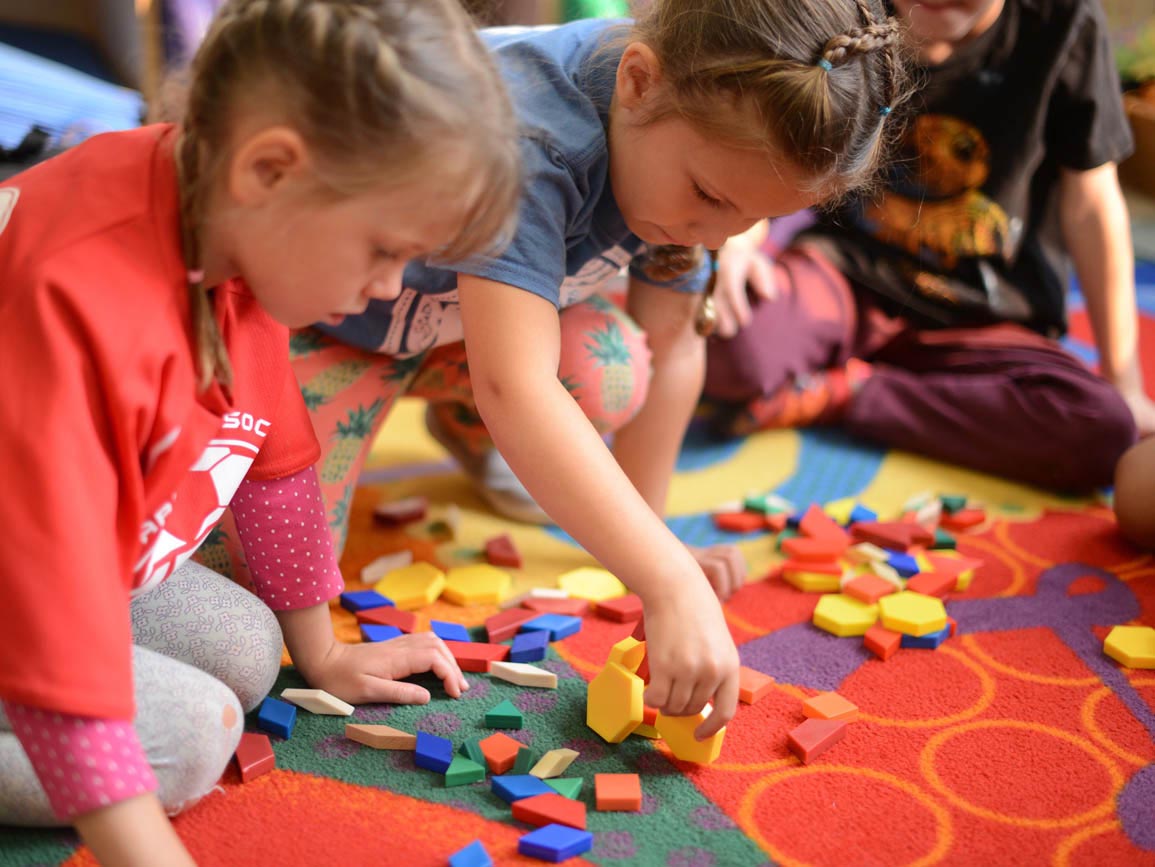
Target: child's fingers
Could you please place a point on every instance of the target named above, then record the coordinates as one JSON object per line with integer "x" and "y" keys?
{"x": 657, "y": 692}
{"x": 435, "y": 656}
{"x": 681, "y": 696}
{"x": 761, "y": 278}
{"x": 381, "y": 691}
{"x": 725, "y": 706}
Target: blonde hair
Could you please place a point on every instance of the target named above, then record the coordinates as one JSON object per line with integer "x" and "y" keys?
{"x": 822, "y": 79}
{"x": 372, "y": 86}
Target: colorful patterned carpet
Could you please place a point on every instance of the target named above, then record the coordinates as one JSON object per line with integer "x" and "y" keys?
{"x": 1016, "y": 742}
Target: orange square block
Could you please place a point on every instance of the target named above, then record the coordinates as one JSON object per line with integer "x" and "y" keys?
{"x": 622, "y": 609}
{"x": 775, "y": 523}
{"x": 500, "y": 751}
{"x": 882, "y": 642}
{"x": 829, "y": 705}
{"x": 753, "y": 685}
{"x": 819, "y": 525}
{"x": 868, "y": 588}
{"x": 574, "y": 606}
{"x": 819, "y": 549}
{"x": 963, "y": 519}
{"x": 621, "y": 792}
{"x": 739, "y": 522}
{"x": 814, "y": 737}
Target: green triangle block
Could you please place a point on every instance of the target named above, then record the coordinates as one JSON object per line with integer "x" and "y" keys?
{"x": 525, "y": 761}
{"x": 952, "y": 503}
{"x": 755, "y": 504}
{"x": 942, "y": 539}
{"x": 571, "y": 787}
{"x": 788, "y": 533}
{"x": 471, "y": 749}
{"x": 504, "y": 716}
{"x": 463, "y": 771}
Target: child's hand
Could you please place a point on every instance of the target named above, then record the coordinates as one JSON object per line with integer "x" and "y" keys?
{"x": 692, "y": 656}
{"x": 725, "y": 567}
{"x": 741, "y": 262}
{"x": 369, "y": 673}
{"x": 1143, "y": 409}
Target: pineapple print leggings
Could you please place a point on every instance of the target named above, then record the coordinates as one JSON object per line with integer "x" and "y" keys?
{"x": 605, "y": 365}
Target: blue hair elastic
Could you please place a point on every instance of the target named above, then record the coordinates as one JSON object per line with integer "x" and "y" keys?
{"x": 884, "y": 111}
{"x": 825, "y": 64}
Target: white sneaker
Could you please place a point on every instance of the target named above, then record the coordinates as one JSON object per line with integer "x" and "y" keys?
{"x": 491, "y": 475}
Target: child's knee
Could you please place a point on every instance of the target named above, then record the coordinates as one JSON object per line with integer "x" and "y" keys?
{"x": 1135, "y": 494}
{"x": 605, "y": 363}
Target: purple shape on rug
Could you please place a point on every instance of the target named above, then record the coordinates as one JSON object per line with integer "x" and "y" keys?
{"x": 478, "y": 688}
{"x": 336, "y": 747}
{"x": 444, "y": 724}
{"x": 711, "y": 818}
{"x": 1136, "y": 808}
{"x": 615, "y": 844}
{"x": 805, "y": 656}
{"x": 539, "y": 701}
{"x": 372, "y": 713}
{"x": 691, "y": 856}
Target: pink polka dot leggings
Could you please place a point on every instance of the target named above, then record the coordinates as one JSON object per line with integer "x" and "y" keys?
{"x": 205, "y": 652}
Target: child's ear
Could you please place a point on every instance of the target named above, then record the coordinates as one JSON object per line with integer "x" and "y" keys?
{"x": 639, "y": 74}
{"x": 265, "y": 163}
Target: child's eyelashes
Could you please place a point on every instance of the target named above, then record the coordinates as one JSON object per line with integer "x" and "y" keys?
{"x": 706, "y": 197}
{"x": 380, "y": 254}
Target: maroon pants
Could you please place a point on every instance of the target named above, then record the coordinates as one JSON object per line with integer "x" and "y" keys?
{"x": 1000, "y": 398}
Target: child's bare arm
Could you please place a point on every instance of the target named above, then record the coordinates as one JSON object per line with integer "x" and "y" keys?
{"x": 512, "y": 339}
{"x": 1097, "y": 233}
{"x": 134, "y": 832}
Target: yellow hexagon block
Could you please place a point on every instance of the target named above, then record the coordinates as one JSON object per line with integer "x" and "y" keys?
{"x": 844, "y": 615}
{"x": 614, "y": 703}
{"x": 678, "y": 733}
{"x": 412, "y": 586}
{"x": 628, "y": 653}
{"x": 589, "y": 582}
{"x": 912, "y": 613}
{"x": 479, "y": 584}
{"x": 1131, "y": 646}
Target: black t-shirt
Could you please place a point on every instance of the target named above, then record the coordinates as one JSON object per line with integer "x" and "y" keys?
{"x": 966, "y": 229}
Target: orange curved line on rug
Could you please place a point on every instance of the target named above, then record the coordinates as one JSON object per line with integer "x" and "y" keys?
{"x": 931, "y": 774}
{"x": 986, "y": 697}
{"x": 944, "y": 827}
{"x": 971, "y": 643}
{"x": 1089, "y": 718}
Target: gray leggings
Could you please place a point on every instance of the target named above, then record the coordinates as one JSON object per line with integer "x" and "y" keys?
{"x": 205, "y": 652}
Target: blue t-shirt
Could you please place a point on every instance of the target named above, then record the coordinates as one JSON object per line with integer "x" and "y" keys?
{"x": 571, "y": 237}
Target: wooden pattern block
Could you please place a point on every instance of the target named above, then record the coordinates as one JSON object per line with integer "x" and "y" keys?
{"x": 504, "y": 716}
{"x": 829, "y": 705}
{"x": 911, "y": 613}
{"x": 964, "y": 519}
{"x": 463, "y": 771}
{"x": 558, "y": 626}
{"x": 1131, "y": 646}
{"x": 567, "y": 787}
{"x": 475, "y": 656}
{"x": 500, "y": 551}
{"x": 401, "y": 512}
{"x": 473, "y": 855}
{"x": 500, "y": 751}
{"x": 361, "y": 600}
{"x": 277, "y": 716}
{"x": 961, "y": 567}
{"x": 555, "y": 843}
{"x": 814, "y": 737}
{"x": 254, "y": 756}
{"x": 447, "y": 631}
{"x": 739, "y": 522}
{"x": 866, "y": 552}
{"x": 592, "y": 584}
{"x": 317, "y": 701}
{"x": 753, "y": 685}
{"x": 471, "y": 749}
{"x": 374, "y": 571}
{"x": 529, "y": 646}
{"x": 372, "y": 633}
{"x": 775, "y": 523}
{"x": 646, "y": 727}
{"x": 938, "y": 584}
{"x": 477, "y": 584}
{"x": 523, "y": 674}
{"x": 433, "y": 753}
{"x": 511, "y": 787}
{"x": 813, "y": 577}
{"x": 380, "y": 737}
{"x": 505, "y": 625}
{"x": 844, "y": 615}
{"x": 868, "y": 588}
{"x": 618, "y": 792}
{"x": 525, "y": 761}
{"x": 549, "y": 808}
{"x": 554, "y": 763}
{"x": 807, "y": 550}
{"x": 678, "y": 733}
{"x": 621, "y": 610}
{"x": 882, "y": 642}
{"x": 818, "y": 525}
{"x": 406, "y": 621}
{"x": 614, "y": 703}
{"x": 412, "y": 586}
{"x": 904, "y": 564}
{"x": 628, "y": 653}
{"x": 930, "y": 641}
{"x": 893, "y": 535}
{"x": 569, "y": 606}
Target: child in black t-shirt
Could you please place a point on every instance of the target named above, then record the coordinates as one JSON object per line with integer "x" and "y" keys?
{"x": 926, "y": 317}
